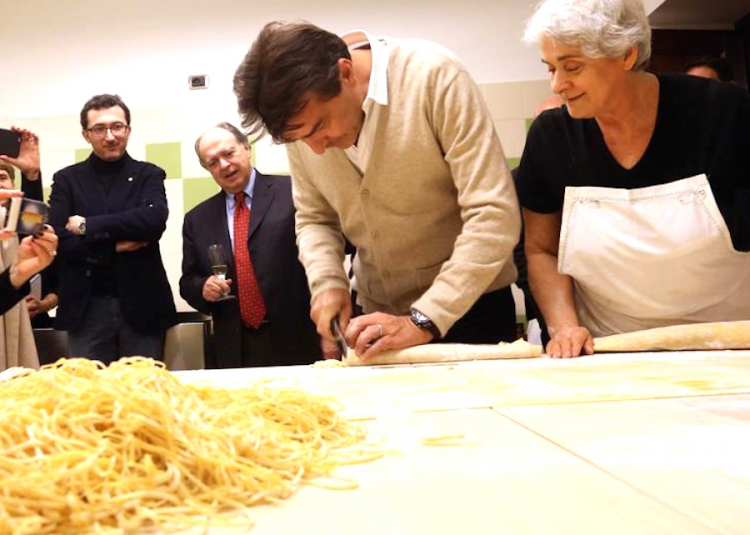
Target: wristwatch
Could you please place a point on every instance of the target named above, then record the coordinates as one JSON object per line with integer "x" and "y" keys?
{"x": 82, "y": 227}
{"x": 425, "y": 323}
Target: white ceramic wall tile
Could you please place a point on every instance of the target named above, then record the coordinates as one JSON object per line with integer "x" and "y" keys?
{"x": 171, "y": 241}
{"x": 137, "y": 150}
{"x": 157, "y": 126}
{"x": 505, "y": 100}
{"x": 27, "y": 122}
{"x": 54, "y": 160}
{"x": 512, "y": 135}
{"x": 61, "y": 132}
{"x": 191, "y": 168}
{"x": 535, "y": 92}
{"x": 269, "y": 157}
{"x": 173, "y": 266}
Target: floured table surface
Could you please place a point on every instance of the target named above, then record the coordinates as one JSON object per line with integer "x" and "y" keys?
{"x": 617, "y": 444}
{"x": 368, "y": 392}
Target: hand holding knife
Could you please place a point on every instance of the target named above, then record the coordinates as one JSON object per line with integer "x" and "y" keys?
{"x": 336, "y": 331}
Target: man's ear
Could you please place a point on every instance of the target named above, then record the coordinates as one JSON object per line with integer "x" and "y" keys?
{"x": 86, "y": 135}
{"x": 346, "y": 70}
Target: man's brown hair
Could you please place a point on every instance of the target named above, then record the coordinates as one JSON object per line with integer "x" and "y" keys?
{"x": 102, "y": 102}
{"x": 285, "y": 64}
{"x": 8, "y": 168}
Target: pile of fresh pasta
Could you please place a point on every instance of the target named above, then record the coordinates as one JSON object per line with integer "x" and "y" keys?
{"x": 86, "y": 448}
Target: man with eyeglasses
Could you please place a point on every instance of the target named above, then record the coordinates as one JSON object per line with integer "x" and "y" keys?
{"x": 110, "y": 212}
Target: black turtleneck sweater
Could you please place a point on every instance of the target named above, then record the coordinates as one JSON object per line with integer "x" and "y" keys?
{"x": 103, "y": 275}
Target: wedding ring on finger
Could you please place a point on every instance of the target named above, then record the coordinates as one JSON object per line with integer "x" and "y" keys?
{"x": 380, "y": 330}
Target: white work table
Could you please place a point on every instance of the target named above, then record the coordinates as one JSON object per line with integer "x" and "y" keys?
{"x": 624, "y": 443}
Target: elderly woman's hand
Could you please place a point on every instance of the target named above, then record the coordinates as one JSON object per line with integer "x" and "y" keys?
{"x": 570, "y": 342}
{"x": 7, "y": 194}
{"x": 34, "y": 254}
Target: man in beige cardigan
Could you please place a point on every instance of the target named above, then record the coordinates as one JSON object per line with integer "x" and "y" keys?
{"x": 391, "y": 145}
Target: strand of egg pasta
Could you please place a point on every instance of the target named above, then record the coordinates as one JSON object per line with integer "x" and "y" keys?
{"x": 85, "y": 448}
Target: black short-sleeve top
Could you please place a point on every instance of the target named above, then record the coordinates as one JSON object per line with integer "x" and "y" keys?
{"x": 702, "y": 126}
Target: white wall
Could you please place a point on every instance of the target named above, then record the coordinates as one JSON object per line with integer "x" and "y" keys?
{"x": 58, "y": 53}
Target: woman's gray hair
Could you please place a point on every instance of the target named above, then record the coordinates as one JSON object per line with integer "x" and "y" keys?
{"x": 601, "y": 28}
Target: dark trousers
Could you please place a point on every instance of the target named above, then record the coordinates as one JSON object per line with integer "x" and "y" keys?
{"x": 105, "y": 335}
{"x": 491, "y": 320}
{"x": 257, "y": 346}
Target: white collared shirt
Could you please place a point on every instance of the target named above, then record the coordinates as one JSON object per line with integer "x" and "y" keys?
{"x": 377, "y": 94}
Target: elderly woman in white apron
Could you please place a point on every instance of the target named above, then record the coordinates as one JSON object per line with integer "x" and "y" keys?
{"x": 635, "y": 193}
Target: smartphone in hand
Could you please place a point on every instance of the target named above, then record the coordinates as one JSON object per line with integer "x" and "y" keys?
{"x": 10, "y": 143}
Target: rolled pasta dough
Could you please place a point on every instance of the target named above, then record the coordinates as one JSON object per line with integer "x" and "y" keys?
{"x": 720, "y": 335}
{"x": 448, "y": 353}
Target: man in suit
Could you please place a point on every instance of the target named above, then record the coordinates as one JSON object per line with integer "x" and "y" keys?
{"x": 267, "y": 322}
{"x": 110, "y": 212}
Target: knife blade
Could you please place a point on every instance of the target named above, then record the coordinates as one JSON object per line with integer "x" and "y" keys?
{"x": 336, "y": 331}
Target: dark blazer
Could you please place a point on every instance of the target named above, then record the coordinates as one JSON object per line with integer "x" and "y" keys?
{"x": 135, "y": 209}
{"x": 273, "y": 250}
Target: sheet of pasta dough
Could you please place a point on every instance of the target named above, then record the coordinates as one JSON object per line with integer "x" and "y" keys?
{"x": 449, "y": 353}
{"x": 721, "y": 335}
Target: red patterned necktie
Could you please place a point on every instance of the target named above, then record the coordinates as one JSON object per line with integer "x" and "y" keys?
{"x": 252, "y": 307}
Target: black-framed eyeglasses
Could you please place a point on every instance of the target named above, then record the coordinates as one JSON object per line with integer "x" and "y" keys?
{"x": 117, "y": 129}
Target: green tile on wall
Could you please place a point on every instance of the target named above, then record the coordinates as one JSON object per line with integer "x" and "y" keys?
{"x": 197, "y": 190}
{"x": 46, "y": 191}
{"x": 82, "y": 154}
{"x": 513, "y": 162}
{"x": 529, "y": 120}
{"x": 168, "y": 156}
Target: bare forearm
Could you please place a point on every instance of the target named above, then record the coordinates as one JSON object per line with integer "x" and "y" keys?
{"x": 552, "y": 291}
{"x": 48, "y": 302}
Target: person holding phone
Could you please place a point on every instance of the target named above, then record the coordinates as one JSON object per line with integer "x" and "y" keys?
{"x": 21, "y": 150}
{"x": 25, "y": 151}
{"x": 35, "y": 253}
{"x": 19, "y": 261}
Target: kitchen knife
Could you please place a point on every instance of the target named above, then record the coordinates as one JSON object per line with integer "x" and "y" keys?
{"x": 336, "y": 331}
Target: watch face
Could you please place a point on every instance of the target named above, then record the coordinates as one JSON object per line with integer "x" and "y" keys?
{"x": 419, "y": 319}
{"x": 423, "y": 322}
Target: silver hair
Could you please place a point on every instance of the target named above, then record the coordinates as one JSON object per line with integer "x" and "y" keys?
{"x": 229, "y": 127}
{"x": 601, "y": 28}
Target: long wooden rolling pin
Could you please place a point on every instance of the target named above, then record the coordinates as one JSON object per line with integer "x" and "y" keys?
{"x": 721, "y": 335}
{"x": 448, "y": 353}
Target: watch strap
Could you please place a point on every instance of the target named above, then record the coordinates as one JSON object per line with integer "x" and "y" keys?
{"x": 424, "y": 322}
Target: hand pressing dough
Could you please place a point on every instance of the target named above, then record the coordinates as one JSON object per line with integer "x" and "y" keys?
{"x": 448, "y": 353}
{"x": 721, "y": 335}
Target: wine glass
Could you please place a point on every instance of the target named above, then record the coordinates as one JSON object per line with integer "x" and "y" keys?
{"x": 219, "y": 265}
